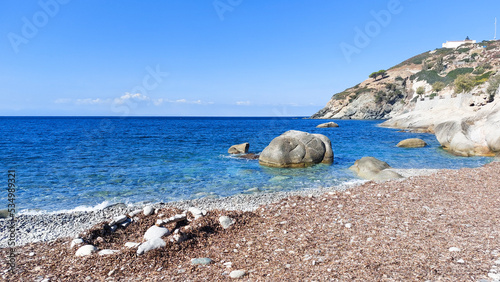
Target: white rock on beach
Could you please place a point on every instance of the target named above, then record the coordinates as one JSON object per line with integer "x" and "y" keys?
{"x": 196, "y": 212}
{"x": 132, "y": 244}
{"x": 85, "y": 250}
{"x": 107, "y": 252}
{"x": 175, "y": 218}
{"x": 134, "y": 213}
{"x": 155, "y": 232}
{"x": 454, "y": 249}
{"x": 76, "y": 241}
{"x": 226, "y": 221}
{"x": 237, "y": 274}
{"x": 118, "y": 219}
{"x": 148, "y": 210}
{"x": 152, "y": 244}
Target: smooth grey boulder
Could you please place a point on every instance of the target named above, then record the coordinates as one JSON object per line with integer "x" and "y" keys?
{"x": 297, "y": 149}
{"x": 385, "y": 175}
{"x": 368, "y": 167}
{"x": 412, "y": 143}
{"x": 452, "y": 135}
{"x": 239, "y": 149}
{"x": 327, "y": 125}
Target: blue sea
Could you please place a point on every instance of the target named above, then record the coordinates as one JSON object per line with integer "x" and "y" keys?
{"x": 63, "y": 163}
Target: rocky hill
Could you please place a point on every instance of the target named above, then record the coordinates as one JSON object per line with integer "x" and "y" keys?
{"x": 471, "y": 69}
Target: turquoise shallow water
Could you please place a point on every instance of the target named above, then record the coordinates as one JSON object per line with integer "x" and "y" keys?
{"x": 66, "y": 162}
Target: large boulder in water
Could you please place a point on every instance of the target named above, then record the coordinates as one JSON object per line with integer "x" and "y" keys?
{"x": 239, "y": 149}
{"x": 297, "y": 149}
{"x": 327, "y": 125}
{"x": 412, "y": 143}
{"x": 373, "y": 169}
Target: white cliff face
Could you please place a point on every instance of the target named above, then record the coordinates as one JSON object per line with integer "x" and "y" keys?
{"x": 462, "y": 129}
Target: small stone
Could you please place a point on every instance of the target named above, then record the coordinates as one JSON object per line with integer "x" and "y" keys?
{"x": 126, "y": 223}
{"x": 228, "y": 264}
{"x": 155, "y": 232}
{"x": 460, "y": 261}
{"x": 31, "y": 254}
{"x": 288, "y": 265}
{"x": 201, "y": 261}
{"x": 85, "y": 250}
{"x": 118, "y": 219}
{"x": 237, "y": 274}
{"x": 134, "y": 213}
{"x": 348, "y": 225}
{"x": 226, "y": 221}
{"x": 497, "y": 261}
{"x": 75, "y": 242}
{"x": 148, "y": 210}
{"x": 152, "y": 244}
{"x": 196, "y": 212}
{"x": 178, "y": 237}
{"x": 107, "y": 252}
{"x": 454, "y": 249}
{"x": 132, "y": 244}
{"x": 175, "y": 218}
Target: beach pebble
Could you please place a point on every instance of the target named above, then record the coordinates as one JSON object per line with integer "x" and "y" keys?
{"x": 31, "y": 254}
{"x": 155, "y": 232}
{"x": 132, "y": 244}
{"x": 202, "y": 261}
{"x": 134, "y": 213}
{"x": 460, "y": 261}
{"x": 454, "y": 249}
{"x": 75, "y": 242}
{"x": 126, "y": 223}
{"x": 85, "y": 250}
{"x": 196, "y": 212}
{"x": 348, "y": 225}
{"x": 152, "y": 244}
{"x": 148, "y": 210}
{"x": 175, "y": 218}
{"x": 108, "y": 252}
{"x": 237, "y": 274}
{"x": 118, "y": 219}
{"x": 495, "y": 276}
{"x": 178, "y": 237}
{"x": 225, "y": 221}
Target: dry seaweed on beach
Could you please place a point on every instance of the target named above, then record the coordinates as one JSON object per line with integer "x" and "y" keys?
{"x": 443, "y": 227}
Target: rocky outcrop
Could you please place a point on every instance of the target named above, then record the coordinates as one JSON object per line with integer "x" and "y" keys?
{"x": 327, "y": 125}
{"x": 412, "y": 143}
{"x": 239, "y": 149}
{"x": 297, "y": 149}
{"x": 373, "y": 169}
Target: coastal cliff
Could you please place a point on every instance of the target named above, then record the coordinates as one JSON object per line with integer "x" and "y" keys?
{"x": 453, "y": 93}
{"x": 430, "y": 76}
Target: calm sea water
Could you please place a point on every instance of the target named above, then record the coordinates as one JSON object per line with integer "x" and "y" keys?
{"x": 66, "y": 162}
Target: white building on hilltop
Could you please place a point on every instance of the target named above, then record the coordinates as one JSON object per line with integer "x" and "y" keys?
{"x": 455, "y": 44}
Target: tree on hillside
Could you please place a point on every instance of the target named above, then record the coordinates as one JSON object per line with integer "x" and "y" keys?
{"x": 382, "y": 73}
{"x": 373, "y": 75}
{"x": 420, "y": 91}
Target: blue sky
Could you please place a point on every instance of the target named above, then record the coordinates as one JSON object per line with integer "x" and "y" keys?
{"x": 212, "y": 58}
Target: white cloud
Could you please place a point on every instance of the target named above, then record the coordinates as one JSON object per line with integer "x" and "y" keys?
{"x": 128, "y": 96}
{"x": 90, "y": 101}
{"x": 243, "y": 103}
{"x": 62, "y": 101}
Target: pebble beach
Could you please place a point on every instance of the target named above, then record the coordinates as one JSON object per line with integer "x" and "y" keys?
{"x": 432, "y": 226}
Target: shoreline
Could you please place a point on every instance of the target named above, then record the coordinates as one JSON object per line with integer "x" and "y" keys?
{"x": 49, "y": 226}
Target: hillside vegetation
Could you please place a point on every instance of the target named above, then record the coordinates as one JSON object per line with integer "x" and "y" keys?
{"x": 469, "y": 68}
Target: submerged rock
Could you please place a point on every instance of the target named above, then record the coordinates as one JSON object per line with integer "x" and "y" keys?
{"x": 368, "y": 167}
{"x": 239, "y": 149}
{"x": 385, "y": 175}
{"x": 297, "y": 149}
{"x": 412, "y": 143}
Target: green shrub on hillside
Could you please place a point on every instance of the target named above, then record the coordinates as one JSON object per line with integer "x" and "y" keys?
{"x": 464, "y": 83}
{"x": 478, "y": 70}
{"x": 420, "y": 91}
{"x": 463, "y": 50}
{"x": 493, "y": 87}
{"x": 438, "y": 86}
